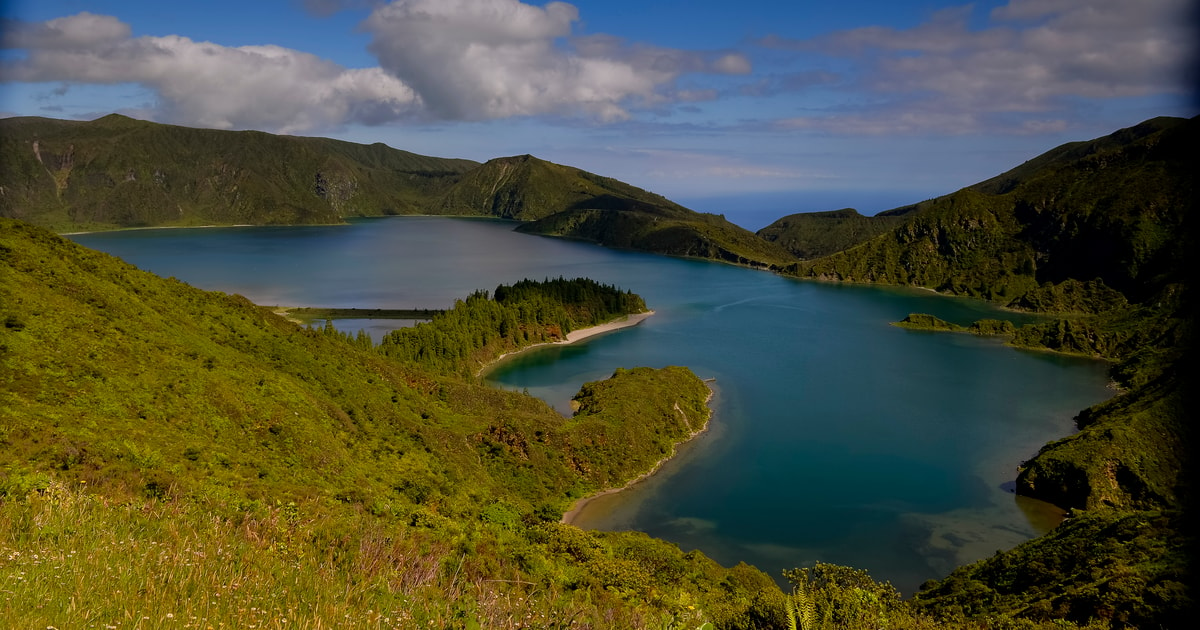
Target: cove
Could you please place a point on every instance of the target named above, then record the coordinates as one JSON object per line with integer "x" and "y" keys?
{"x": 836, "y": 438}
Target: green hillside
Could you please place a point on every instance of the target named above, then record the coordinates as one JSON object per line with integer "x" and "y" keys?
{"x": 664, "y": 230}
{"x": 526, "y": 189}
{"x": 140, "y": 413}
{"x": 173, "y": 456}
{"x": 1109, "y": 210}
{"x": 120, "y": 172}
{"x": 116, "y": 172}
{"x": 1101, "y": 234}
{"x": 814, "y": 234}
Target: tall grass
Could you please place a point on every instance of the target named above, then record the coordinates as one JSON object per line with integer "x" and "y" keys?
{"x": 70, "y": 559}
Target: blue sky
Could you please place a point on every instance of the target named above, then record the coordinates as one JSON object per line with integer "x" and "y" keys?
{"x": 755, "y": 108}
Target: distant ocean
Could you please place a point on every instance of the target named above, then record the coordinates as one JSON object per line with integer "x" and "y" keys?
{"x": 755, "y": 211}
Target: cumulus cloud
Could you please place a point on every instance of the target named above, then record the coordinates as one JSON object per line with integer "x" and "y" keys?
{"x": 201, "y": 83}
{"x": 1033, "y": 58}
{"x": 481, "y": 59}
{"x": 439, "y": 59}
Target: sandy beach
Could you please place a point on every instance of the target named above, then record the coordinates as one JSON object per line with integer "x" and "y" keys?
{"x": 574, "y": 336}
{"x": 577, "y": 507}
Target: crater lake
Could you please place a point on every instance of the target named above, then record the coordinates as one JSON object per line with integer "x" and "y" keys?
{"x": 836, "y": 437}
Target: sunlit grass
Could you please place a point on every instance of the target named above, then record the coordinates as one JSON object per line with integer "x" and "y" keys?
{"x": 69, "y": 559}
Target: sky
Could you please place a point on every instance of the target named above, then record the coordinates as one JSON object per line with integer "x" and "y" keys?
{"x": 753, "y": 108}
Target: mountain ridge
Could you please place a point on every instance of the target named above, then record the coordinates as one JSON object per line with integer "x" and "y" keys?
{"x": 118, "y": 172}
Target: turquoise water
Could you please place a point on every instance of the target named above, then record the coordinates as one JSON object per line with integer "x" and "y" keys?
{"x": 837, "y": 437}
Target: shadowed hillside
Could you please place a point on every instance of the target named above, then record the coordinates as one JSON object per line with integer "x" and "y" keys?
{"x": 1110, "y": 210}
{"x": 120, "y": 172}
{"x": 1101, "y": 233}
{"x": 815, "y": 234}
{"x": 117, "y": 172}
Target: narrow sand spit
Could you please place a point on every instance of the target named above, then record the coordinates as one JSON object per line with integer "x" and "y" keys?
{"x": 575, "y": 336}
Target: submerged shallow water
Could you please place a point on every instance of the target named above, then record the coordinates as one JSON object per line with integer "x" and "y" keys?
{"x": 837, "y": 437}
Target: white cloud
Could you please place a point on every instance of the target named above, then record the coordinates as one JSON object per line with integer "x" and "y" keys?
{"x": 201, "y": 83}
{"x": 1029, "y": 66}
{"x": 78, "y": 31}
{"x": 481, "y": 59}
{"x": 440, "y": 59}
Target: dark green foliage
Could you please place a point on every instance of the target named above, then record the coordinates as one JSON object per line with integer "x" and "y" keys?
{"x": 829, "y": 596}
{"x": 815, "y": 234}
{"x": 1100, "y": 232}
{"x": 1072, "y": 296}
{"x": 992, "y": 328}
{"x": 663, "y": 229}
{"x": 586, "y": 301}
{"x": 1103, "y": 216}
{"x": 923, "y": 321}
{"x": 1127, "y": 567}
{"x": 480, "y": 329}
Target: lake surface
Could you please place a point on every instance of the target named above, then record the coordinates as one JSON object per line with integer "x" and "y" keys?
{"x": 837, "y": 437}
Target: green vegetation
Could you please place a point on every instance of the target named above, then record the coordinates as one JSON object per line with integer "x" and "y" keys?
{"x": 169, "y": 453}
{"x": 175, "y": 454}
{"x": 670, "y": 230}
{"x": 309, "y": 313}
{"x": 479, "y": 329}
{"x": 1121, "y": 566}
{"x": 814, "y": 234}
{"x": 117, "y": 172}
{"x": 1096, "y": 233}
{"x": 526, "y": 188}
{"x": 1105, "y": 217}
{"x": 922, "y": 321}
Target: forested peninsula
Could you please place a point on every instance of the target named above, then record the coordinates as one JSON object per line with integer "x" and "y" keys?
{"x": 315, "y": 475}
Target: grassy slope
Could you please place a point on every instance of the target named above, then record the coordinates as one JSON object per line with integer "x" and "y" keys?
{"x": 563, "y": 201}
{"x": 526, "y": 188}
{"x": 120, "y": 172}
{"x": 205, "y": 426}
{"x": 664, "y": 231}
{"x": 814, "y": 234}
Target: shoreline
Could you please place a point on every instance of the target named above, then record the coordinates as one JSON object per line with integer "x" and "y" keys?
{"x": 164, "y": 227}
{"x": 568, "y": 517}
{"x": 227, "y": 225}
{"x": 574, "y": 336}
